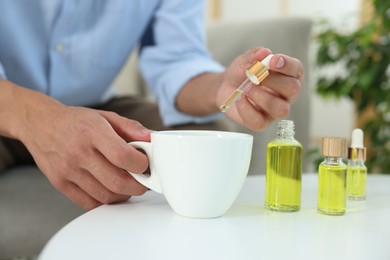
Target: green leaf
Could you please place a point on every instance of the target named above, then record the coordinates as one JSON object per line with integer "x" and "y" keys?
{"x": 364, "y": 58}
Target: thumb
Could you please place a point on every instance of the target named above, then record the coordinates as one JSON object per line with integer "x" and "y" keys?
{"x": 129, "y": 130}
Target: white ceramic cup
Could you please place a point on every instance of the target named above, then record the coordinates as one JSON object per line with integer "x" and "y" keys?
{"x": 200, "y": 173}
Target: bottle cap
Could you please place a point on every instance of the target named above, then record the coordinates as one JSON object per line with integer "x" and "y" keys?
{"x": 357, "y": 151}
{"x": 258, "y": 71}
{"x": 357, "y": 138}
{"x": 334, "y": 146}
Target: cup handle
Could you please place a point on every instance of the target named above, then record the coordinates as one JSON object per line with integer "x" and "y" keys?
{"x": 152, "y": 181}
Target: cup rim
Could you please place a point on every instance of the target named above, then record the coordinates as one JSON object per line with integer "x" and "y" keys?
{"x": 203, "y": 134}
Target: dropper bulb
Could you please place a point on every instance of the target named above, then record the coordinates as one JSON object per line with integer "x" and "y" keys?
{"x": 357, "y": 138}
{"x": 267, "y": 60}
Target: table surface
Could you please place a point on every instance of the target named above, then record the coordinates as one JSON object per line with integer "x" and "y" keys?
{"x": 146, "y": 228}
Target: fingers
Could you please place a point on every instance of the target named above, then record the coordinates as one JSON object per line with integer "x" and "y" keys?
{"x": 128, "y": 129}
{"x": 85, "y": 200}
{"x": 252, "y": 116}
{"x": 267, "y": 101}
{"x": 112, "y": 157}
{"x": 101, "y": 184}
{"x": 114, "y": 179}
{"x": 286, "y": 73}
{"x": 122, "y": 155}
{"x": 88, "y": 191}
{"x": 116, "y": 150}
{"x": 105, "y": 195}
{"x": 254, "y": 54}
{"x": 287, "y": 65}
{"x": 236, "y": 73}
{"x": 280, "y": 63}
{"x": 260, "y": 107}
{"x": 77, "y": 195}
{"x": 284, "y": 86}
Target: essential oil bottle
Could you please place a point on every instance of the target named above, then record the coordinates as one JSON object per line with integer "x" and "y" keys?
{"x": 284, "y": 170}
{"x": 357, "y": 171}
{"x": 332, "y": 181}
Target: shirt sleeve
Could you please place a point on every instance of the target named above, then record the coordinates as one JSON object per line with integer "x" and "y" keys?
{"x": 177, "y": 54}
{"x": 2, "y": 72}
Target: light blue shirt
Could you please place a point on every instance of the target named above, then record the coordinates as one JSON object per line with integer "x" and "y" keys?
{"x": 72, "y": 50}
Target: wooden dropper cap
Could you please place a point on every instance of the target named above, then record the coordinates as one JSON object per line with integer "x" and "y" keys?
{"x": 334, "y": 146}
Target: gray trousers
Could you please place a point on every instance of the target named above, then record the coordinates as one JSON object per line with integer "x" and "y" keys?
{"x": 13, "y": 152}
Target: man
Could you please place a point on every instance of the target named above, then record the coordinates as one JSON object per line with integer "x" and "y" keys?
{"x": 58, "y": 59}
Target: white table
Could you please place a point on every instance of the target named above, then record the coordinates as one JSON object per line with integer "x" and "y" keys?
{"x": 147, "y": 228}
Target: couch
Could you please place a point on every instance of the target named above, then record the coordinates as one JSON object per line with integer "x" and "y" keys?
{"x": 31, "y": 210}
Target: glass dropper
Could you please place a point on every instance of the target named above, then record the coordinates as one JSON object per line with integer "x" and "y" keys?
{"x": 256, "y": 73}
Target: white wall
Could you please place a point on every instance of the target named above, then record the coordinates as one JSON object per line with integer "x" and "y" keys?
{"x": 339, "y": 12}
{"x": 328, "y": 117}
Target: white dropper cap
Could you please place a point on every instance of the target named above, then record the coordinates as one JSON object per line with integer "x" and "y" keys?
{"x": 357, "y": 151}
{"x": 266, "y": 61}
{"x": 357, "y": 138}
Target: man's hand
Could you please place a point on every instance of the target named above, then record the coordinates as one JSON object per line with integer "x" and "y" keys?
{"x": 83, "y": 152}
{"x": 269, "y": 101}
{"x": 256, "y": 109}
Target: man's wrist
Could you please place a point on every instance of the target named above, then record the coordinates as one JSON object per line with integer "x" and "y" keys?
{"x": 17, "y": 106}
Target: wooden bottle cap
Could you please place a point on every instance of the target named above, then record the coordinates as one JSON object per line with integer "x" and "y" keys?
{"x": 334, "y": 146}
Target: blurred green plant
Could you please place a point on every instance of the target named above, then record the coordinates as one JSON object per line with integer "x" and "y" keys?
{"x": 362, "y": 59}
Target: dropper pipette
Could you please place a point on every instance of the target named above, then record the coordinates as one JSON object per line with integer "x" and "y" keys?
{"x": 257, "y": 72}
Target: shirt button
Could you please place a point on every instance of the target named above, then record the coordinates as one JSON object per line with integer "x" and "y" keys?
{"x": 59, "y": 47}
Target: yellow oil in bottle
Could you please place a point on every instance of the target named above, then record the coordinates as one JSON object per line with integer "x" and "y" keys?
{"x": 356, "y": 183}
{"x": 332, "y": 189}
{"x": 283, "y": 175}
{"x": 357, "y": 170}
